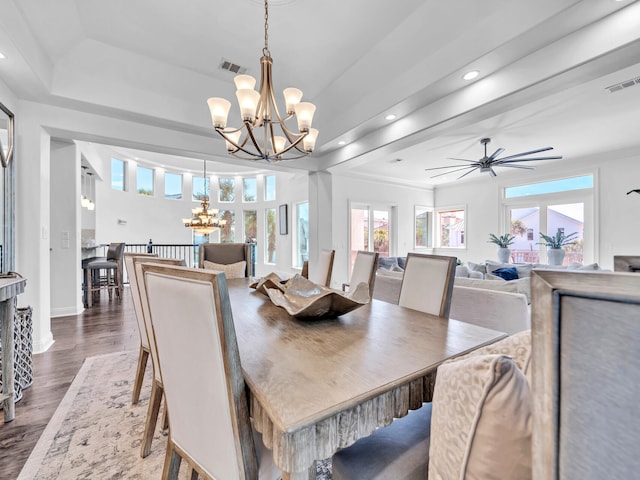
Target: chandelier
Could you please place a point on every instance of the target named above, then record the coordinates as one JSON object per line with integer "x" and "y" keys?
{"x": 204, "y": 219}
{"x": 258, "y": 110}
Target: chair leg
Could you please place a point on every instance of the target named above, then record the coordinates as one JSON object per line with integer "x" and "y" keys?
{"x": 193, "y": 474}
{"x": 143, "y": 357}
{"x": 165, "y": 417}
{"x": 109, "y": 287}
{"x": 152, "y": 418}
{"x": 172, "y": 462}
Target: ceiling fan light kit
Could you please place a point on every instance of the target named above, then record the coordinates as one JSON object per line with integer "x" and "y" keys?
{"x": 488, "y": 163}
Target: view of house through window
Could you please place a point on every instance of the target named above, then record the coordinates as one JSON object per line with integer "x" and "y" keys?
{"x": 117, "y": 174}
{"x": 370, "y": 229}
{"x": 423, "y": 226}
{"x": 250, "y": 226}
{"x": 270, "y": 236}
{"x": 173, "y": 186}
{"x": 249, "y": 189}
{"x": 228, "y": 230}
{"x": 301, "y": 234}
{"x": 450, "y": 228}
{"x": 227, "y": 190}
{"x": 200, "y": 189}
{"x": 144, "y": 181}
{"x": 270, "y": 187}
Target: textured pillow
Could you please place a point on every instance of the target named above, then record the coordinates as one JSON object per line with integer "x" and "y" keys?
{"x": 506, "y": 273}
{"x": 481, "y": 420}
{"x": 477, "y": 267}
{"x": 462, "y": 271}
{"x": 478, "y": 275}
{"x": 231, "y": 270}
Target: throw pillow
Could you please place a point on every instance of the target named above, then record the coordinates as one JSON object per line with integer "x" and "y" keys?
{"x": 506, "y": 273}
{"x": 491, "y": 276}
{"x": 402, "y": 261}
{"x": 462, "y": 271}
{"x": 481, "y": 420}
{"x": 231, "y": 270}
{"x": 396, "y": 268}
{"x": 386, "y": 262}
{"x": 477, "y": 267}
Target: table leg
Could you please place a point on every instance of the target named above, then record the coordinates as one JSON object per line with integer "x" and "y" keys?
{"x": 8, "y": 373}
{"x": 89, "y": 288}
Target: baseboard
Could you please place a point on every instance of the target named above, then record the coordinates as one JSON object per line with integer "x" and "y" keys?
{"x": 44, "y": 344}
{"x": 64, "y": 311}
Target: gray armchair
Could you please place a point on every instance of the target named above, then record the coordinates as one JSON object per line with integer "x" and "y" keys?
{"x": 225, "y": 254}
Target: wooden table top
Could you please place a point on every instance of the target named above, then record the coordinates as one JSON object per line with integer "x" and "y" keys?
{"x": 306, "y": 373}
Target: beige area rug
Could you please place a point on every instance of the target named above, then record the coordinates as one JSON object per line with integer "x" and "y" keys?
{"x": 96, "y": 433}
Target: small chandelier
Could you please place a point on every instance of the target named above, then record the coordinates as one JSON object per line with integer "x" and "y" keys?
{"x": 204, "y": 220}
{"x": 258, "y": 109}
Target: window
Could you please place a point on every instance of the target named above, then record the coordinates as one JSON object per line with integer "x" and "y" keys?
{"x": 370, "y": 230}
{"x": 144, "y": 180}
{"x": 173, "y": 186}
{"x": 250, "y": 225}
{"x": 117, "y": 174}
{"x": 552, "y": 186}
{"x": 301, "y": 234}
{"x": 228, "y": 230}
{"x": 451, "y": 228}
{"x": 270, "y": 187}
{"x": 200, "y": 189}
{"x": 423, "y": 222}
{"x": 249, "y": 189}
{"x": 227, "y": 190}
{"x": 270, "y": 235}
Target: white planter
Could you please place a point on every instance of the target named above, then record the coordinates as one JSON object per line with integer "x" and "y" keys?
{"x": 555, "y": 256}
{"x": 504, "y": 255}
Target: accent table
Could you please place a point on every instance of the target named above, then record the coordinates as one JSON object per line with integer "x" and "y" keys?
{"x": 9, "y": 288}
{"x": 316, "y": 386}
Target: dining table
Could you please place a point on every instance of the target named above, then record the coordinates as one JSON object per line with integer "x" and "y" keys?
{"x": 317, "y": 385}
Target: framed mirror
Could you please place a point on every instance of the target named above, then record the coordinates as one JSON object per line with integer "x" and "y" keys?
{"x": 423, "y": 226}
{"x": 6, "y": 135}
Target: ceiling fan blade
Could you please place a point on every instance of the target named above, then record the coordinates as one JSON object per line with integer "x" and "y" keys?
{"x": 465, "y": 174}
{"x": 461, "y": 159}
{"x": 448, "y": 166}
{"x": 527, "y": 153}
{"x": 492, "y": 172}
{"x": 496, "y": 153}
{"x": 502, "y": 160}
{"x": 516, "y": 166}
{"x": 452, "y": 171}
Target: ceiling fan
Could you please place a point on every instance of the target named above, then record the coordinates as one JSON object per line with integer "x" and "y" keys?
{"x": 488, "y": 163}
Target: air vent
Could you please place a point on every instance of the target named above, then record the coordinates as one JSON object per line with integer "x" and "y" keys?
{"x": 231, "y": 67}
{"x": 622, "y": 85}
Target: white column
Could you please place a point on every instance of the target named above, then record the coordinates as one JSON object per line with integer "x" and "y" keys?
{"x": 320, "y": 215}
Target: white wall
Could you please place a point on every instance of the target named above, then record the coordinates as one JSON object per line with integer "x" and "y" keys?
{"x": 614, "y": 212}
{"x": 349, "y": 189}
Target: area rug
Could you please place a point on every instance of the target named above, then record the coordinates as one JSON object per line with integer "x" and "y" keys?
{"x": 96, "y": 433}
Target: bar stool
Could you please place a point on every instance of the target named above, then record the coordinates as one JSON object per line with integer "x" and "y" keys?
{"x": 105, "y": 273}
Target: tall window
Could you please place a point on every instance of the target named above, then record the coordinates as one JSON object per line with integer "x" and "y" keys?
{"x": 117, "y": 174}
{"x": 451, "y": 228}
{"x": 173, "y": 186}
{"x": 250, "y": 225}
{"x": 249, "y": 189}
{"x": 302, "y": 234}
{"x": 371, "y": 230}
{"x": 270, "y": 235}
{"x": 199, "y": 189}
{"x": 422, "y": 219}
{"x": 144, "y": 180}
{"x": 227, "y": 190}
{"x": 559, "y": 205}
{"x": 228, "y": 230}
{"x": 270, "y": 187}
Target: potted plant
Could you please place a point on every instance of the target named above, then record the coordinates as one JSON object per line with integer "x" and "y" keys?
{"x": 503, "y": 242}
{"x": 555, "y": 252}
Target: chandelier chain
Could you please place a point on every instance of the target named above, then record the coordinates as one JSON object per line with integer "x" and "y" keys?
{"x": 265, "y": 50}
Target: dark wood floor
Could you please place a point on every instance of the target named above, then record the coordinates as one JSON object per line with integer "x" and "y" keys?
{"x": 107, "y": 327}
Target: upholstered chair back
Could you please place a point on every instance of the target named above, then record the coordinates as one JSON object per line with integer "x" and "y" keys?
{"x": 364, "y": 270}
{"x": 427, "y": 283}
{"x": 135, "y": 293}
{"x": 115, "y": 251}
{"x": 321, "y": 274}
{"x": 200, "y": 368}
{"x": 225, "y": 254}
{"x": 144, "y": 304}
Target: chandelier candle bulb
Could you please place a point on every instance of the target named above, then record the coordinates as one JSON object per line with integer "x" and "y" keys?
{"x": 244, "y": 82}
{"x": 292, "y": 97}
{"x": 231, "y": 140}
{"x": 309, "y": 141}
{"x": 248, "y": 101}
{"x": 219, "y": 108}
{"x": 304, "y": 113}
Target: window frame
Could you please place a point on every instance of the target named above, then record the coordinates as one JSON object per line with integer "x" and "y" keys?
{"x": 142, "y": 168}
{"x": 124, "y": 174}
{"x": 437, "y": 227}
{"x": 169, "y": 175}
{"x": 255, "y": 180}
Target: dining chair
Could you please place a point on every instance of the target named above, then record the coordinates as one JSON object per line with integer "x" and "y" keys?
{"x": 321, "y": 274}
{"x": 364, "y": 271}
{"x": 105, "y": 273}
{"x": 204, "y": 387}
{"x": 143, "y": 355}
{"x": 155, "y": 399}
{"x": 427, "y": 283}
{"x": 478, "y": 424}
{"x": 227, "y": 257}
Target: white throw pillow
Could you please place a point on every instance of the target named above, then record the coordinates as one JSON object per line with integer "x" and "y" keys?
{"x": 231, "y": 270}
{"x": 481, "y": 420}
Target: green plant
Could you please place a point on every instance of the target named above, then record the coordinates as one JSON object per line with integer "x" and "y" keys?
{"x": 503, "y": 241}
{"x": 558, "y": 240}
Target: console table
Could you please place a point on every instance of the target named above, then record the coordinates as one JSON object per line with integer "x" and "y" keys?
{"x": 9, "y": 288}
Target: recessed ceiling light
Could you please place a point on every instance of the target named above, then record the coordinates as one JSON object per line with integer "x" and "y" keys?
{"x": 342, "y": 142}
{"x": 471, "y": 75}
{"x": 2, "y": 57}
{"x": 391, "y": 116}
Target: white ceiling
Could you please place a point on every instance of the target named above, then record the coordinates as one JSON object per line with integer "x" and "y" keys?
{"x": 544, "y": 68}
